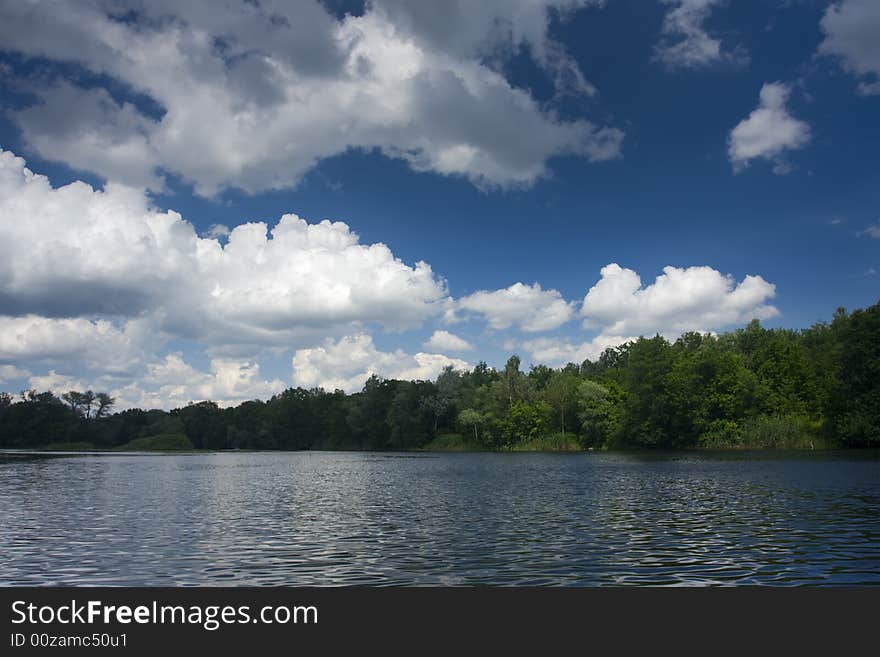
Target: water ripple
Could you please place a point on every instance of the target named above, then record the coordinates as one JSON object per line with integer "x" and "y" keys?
{"x": 457, "y": 519}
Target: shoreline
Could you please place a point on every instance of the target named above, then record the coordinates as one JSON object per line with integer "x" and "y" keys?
{"x": 11, "y": 452}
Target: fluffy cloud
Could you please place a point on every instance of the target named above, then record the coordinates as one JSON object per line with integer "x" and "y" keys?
{"x": 686, "y": 43}
{"x": 253, "y": 97}
{"x": 217, "y": 232}
{"x": 171, "y": 383}
{"x": 57, "y": 383}
{"x": 78, "y": 252}
{"x": 851, "y": 28}
{"x": 98, "y": 286}
{"x": 768, "y": 132}
{"x": 527, "y": 307}
{"x": 469, "y": 29}
{"x": 691, "y": 299}
{"x": 89, "y": 130}
{"x": 492, "y": 27}
{"x": 873, "y": 231}
{"x": 619, "y": 309}
{"x": 445, "y": 341}
{"x": 12, "y": 373}
{"x": 345, "y": 364}
{"x": 97, "y": 344}
{"x": 99, "y": 281}
{"x": 558, "y": 352}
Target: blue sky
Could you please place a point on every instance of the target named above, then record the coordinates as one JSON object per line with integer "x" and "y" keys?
{"x": 581, "y": 147}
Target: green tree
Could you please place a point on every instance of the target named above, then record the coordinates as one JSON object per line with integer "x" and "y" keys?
{"x": 854, "y": 409}
{"x": 411, "y": 421}
{"x": 643, "y": 374}
{"x": 472, "y": 419}
{"x": 368, "y": 413}
{"x": 513, "y": 381}
{"x": 202, "y": 424}
{"x": 525, "y": 422}
{"x": 76, "y": 401}
{"x": 599, "y": 409}
{"x": 561, "y": 394}
{"x": 105, "y": 402}
{"x": 709, "y": 388}
{"x": 539, "y": 376}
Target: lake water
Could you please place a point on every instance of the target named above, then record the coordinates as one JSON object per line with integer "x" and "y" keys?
{"x": 319, "y": 518}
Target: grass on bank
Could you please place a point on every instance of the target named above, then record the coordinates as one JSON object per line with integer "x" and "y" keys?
{"x": 768, "y": 432}
{"x": 69, "y": 447}
{"x": 453, "y": 442}
{"x": 762, "y": 433}
{"x": 163, "y": 442}
{"x": 557, "y": 442}
{"x": 456, "y": 442}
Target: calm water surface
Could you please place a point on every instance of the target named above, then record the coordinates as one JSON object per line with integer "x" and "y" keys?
{"x": 365, "y": 518}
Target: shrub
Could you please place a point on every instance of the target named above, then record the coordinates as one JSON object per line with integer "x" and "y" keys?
{"x": 452, "y": 442}
{"x": 765, "y": 432}
{"x": 557, "y": 442}
{"x": 164, "y": 442}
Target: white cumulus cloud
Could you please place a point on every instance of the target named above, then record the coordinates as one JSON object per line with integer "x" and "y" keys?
{"x": 98, "y": 344}
{"x": 690, "y": 299}
{"x": 768, "y": 132}
{"x": 12, "y": 373}
{"x": 558, "y": 352}
{"x": 686, "y": 43}
{"x": 101, "y": 290}
{"x": 253, "y": 95}
{"x": 78, "y": 252}
{"x": 345, "y": 364}
{"x": 851, "y": 28}
{"x": 492, "y": 28}
{"x": 442, "y": 340}
{"x": 171, "y": 382}
{"x": 217, "y": 231}
{"x": 527, "y": 307}
{"x": 52, "y": 381}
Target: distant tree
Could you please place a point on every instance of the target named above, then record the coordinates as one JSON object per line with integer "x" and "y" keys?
{"x": 643, "y": 374}
{"x": 411, "y": 420}
{"x": 448, "y": 391}
{"x": 596, "y": 413}
{"x": 105, "y": 403}
{"x": 511, "y": 376}
{"x": 513, "y": 381}
{"x": 202, "y": 424}
{"x": 539, "y": 376}
{"x": 436, "y": 406}
{"x": 560, "y": 393}
{"x": 88, "y": 400}
{"x": 76, "y": 401}
{"x": 89, "y": 404}
{"x": 709, "y": 387}
{"x": 525, "y": 422}
{"x": 691, "y": 340}
{"x": 473, "y": 419}
{"x": 854, "y": 413}
{"x": 750, "y": 387}
{"x": 368, "y": 413}
{"x": 482, "y": 375}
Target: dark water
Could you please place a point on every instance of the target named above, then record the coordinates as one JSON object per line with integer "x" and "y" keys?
{"x": 356, "y": 518}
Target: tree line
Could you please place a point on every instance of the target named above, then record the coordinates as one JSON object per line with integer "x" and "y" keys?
{"x": 753, "y": 387}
